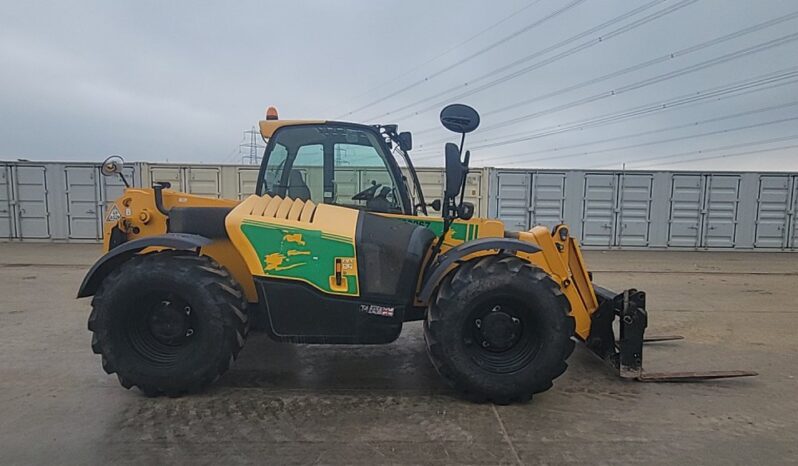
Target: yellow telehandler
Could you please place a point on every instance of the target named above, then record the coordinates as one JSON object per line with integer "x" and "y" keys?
{"x": 337, "y": 246}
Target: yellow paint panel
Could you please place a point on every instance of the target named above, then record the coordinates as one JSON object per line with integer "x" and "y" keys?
{"x": 328, "y": 219}
{"x": 271, "y": 207}
{"x": 296, "y": 209}
{"x": 285, "y": 207}
{"x": 341, "y": 221}
{"x": 268, "y": 127}
{"x": 223, "y": 252}
{"x": 307, "y": 211}
{"x": 260, "y": 204}
{"x": 555, "y": 262}
{"x": 248, "y": 203}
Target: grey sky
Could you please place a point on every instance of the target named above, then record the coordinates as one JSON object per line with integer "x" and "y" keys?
{"x": 182, "y": 80}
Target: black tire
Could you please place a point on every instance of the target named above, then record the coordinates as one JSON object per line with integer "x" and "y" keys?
{"x": 524, "y": 341}
{"x": 168, "y": 322}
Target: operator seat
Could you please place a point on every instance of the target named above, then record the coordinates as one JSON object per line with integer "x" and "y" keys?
{"x": 297, "y": 188}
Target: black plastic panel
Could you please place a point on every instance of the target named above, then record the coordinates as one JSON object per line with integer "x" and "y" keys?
{"x": 204, "y": 221}
{"x": 389, "y": 257}
{"x": 297, "y": 312}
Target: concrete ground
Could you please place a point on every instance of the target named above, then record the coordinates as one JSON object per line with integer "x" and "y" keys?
{"x": 283, "y": 404}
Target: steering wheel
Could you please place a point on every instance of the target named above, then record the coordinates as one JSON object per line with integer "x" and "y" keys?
{"x": 368, "y": 193}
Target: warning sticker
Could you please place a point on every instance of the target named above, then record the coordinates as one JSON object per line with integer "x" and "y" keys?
{"x": 113, "y": 215}
{"x": 384, "y": 311}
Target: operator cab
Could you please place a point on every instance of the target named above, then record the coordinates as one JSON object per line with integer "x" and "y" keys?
{"x": 337, "y": 163}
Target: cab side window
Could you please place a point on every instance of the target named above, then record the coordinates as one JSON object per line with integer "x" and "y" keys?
{"x": 363, "y": 179}
{"x": 337, "y": 164}
{"x": 306, "y": 178}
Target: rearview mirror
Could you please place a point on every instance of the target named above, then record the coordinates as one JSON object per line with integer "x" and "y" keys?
{"x": 112, "y": 165}
{"x": 405, "y": 141}
{"x": 459, "y": 118}
{"x": 455, "y": 171}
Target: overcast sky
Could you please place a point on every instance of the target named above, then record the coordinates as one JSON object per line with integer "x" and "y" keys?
{"x": 181, "y": 81}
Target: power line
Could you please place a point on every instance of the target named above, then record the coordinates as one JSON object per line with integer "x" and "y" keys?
{"x": 737, "y": 89}
{"x": 253, "y": 147}
{"x": 704, "y": 151}
{"x": 409, "y": 71}
{"x": 481, "y": 51}
{"x": 780, "y": 77}
{"x": 665, "y": 141}
{"x": 761, "y": 151}
{"x": 573, "y": 50}
{"x": 639, "y": 66}
{"x": 649, "y": 81}
{"x": 233, "y": 155}
{"x": 629, "y": 136}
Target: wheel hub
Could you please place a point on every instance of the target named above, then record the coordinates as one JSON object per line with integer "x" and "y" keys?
{"x": 499, "y": 330}
{"x": 169, "y": 323}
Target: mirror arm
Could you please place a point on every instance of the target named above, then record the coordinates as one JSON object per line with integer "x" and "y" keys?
{"x": 124, "y": 180}
{"x": 448, "y": 218}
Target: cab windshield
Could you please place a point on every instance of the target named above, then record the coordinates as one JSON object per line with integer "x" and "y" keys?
{"x": 331, "y": 164}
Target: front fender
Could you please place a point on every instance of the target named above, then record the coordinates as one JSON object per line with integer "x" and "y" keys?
{"x": 445, "y": 261}
{"x": 115, "y": 257}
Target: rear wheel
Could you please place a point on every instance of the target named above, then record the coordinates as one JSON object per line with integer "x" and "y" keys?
{"x": 499, "y": 330}
{"x": 168, "y": 322}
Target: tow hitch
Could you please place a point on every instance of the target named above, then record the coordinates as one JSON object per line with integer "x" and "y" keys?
{"x": 625, "y": 353}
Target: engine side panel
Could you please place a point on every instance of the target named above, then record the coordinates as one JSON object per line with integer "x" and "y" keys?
{"x": 275, "y": 242}
{"x": 333, "y": 275}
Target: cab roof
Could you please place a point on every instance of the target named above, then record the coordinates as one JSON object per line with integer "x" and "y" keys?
{"x": 268, "y": 127}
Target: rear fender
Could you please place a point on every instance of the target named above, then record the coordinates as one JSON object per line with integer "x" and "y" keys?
{"x": 451, "y": 258}
{"x": 120, "y": 254}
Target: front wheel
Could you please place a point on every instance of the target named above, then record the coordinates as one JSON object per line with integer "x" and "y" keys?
{"x": 168, "y": 322}
{"x": 499, "y": 330}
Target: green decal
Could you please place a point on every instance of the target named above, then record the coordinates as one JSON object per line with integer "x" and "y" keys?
{"x": 458, "y": 232}
{"x": 308, "y": 255}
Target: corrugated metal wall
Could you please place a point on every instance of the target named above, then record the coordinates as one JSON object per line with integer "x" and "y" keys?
{"x": 606, "y": 209}
{"x": 56, "y": 201}
{"x": 691, "y": 210}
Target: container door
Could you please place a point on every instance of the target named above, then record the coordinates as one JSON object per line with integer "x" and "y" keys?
{"x": 548, "y": 199}
{"x": 381, "y": 177}
{"x": 512, "y": 203}
{"x": 247, "y": 182}
{"x": 32, "y": 208}
{"x": 431, "y": 182}
{"x": 347, "y": 183}
{"x": 169, "y": 174}
{"x": 685, "y": 216}
{"x": 793, "y": 234}
{"x": 772, "y": 212}
{"x": 634, "y": 210}
{"x": 111, "y": 188}
{"x": 722, "y": 198}
{"x": 598, "y": 214}
{"x": 83, "y": 218}
{"x": 473, "y": 190}
{"x": 6, "y": 216}
{"x": 204, "y": 181}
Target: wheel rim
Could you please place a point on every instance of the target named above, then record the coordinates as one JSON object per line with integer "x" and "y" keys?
{"x": 162, "y": 329}
{"x": 501, "y": 335}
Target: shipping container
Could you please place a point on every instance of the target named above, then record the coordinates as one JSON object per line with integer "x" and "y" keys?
{"x": 41, "y": 201}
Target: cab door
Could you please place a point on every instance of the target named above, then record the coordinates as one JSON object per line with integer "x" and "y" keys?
{"x": 340, "y": 164}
